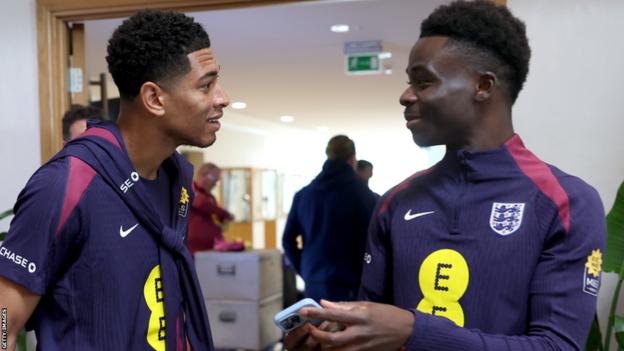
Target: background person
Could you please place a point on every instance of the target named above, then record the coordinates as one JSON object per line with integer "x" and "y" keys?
{"x": 75, "y": 120}
{"x": 207, "y": 219}
{"x": 331, "y": 215}
{"x": 364, "y": 170}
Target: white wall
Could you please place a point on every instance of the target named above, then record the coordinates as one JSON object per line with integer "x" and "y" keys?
{"x": 19, "y": 102}
{"x": 245, "y": 141}
{"x": 570, "y": 112}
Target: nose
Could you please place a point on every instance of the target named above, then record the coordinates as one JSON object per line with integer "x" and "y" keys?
{"x": 408, "y": 97}
{"x": 221, "y": 98}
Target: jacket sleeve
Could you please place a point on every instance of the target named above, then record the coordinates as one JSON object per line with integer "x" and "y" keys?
{"x": 208, "y": 207}
{"x": 291, "y": 232}
{"x": 563, "y": 291}
{"x": 377, "y": 275}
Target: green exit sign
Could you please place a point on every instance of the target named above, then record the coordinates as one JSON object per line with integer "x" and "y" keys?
{"x": 363, "y": 64}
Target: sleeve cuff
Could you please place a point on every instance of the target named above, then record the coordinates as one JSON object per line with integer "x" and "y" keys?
{"x": 420, "y": 324}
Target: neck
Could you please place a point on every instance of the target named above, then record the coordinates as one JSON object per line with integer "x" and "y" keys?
{"x": 146, "y": 145}
{"x": 496, "y": 128}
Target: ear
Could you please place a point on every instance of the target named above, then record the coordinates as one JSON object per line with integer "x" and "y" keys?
{"x": 352, "y": 161}
{"x": 151, "y": 95}
{"x": 485, "y": 85}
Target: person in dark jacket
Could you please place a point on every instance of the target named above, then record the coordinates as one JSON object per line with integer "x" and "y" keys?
{"x": 331, "y": 215}
{"x": 364, "y": 170}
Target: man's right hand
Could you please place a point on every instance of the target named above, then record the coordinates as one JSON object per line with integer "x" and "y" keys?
{"x": 18, "y": 304}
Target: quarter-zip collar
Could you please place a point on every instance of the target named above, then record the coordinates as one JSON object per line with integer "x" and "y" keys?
{"x": 482, "y": 165}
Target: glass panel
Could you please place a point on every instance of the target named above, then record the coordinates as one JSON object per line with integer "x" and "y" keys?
{"x": 269, "y": 194}
{"x": 235, "y": 197}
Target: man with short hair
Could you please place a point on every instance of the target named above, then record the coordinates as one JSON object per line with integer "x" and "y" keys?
{"x": 331, "y": 215}
{"x": 207, "y": 217}
{"x": 491, "y": 248}
{"x": 75, "y": 120}
{"x": 364, "y": 170}
{"x": 95, "y": 258}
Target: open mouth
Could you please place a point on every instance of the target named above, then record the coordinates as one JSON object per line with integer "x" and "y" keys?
{"x": 214, "y": 120}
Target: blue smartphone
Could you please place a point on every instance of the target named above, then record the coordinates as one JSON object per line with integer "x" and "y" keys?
{"x": 289, "y": 318}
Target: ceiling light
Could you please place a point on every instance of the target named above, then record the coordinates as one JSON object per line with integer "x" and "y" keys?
{"x": 322, "y": 129}
{"x": 239, "y": 105}
{"x": 340, "y": 28}
{"x": 287, "y": 119}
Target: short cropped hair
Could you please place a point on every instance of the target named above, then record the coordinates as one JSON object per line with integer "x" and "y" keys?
{"x": 363, "y": 164}
{"x": 76, "y": 113}
{"x": 340, "y": 147}
{"x": 152, "y": 46}
{"x": 488, "y": 35}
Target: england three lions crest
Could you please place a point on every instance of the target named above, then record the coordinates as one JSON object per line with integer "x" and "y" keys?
{"x": 506, "y": 218}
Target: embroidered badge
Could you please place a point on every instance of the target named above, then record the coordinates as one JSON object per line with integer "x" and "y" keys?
{"x": 183, "y": 204}
{"x": 591, "y": 273}
{"x": 506, "y": 218}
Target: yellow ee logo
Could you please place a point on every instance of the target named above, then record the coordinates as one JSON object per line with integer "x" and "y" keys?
{"x": 153, "y": 292}
{"x": 443, "y": 279}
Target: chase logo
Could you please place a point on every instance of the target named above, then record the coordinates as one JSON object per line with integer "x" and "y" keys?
{"x": 506, "y": 218}
{"x": 183, "y": 204}
{"x": 591, "y": 273}
{"x": 18, "y": 259}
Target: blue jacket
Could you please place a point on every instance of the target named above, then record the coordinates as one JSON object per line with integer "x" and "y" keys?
{"x": 331, "y": 214}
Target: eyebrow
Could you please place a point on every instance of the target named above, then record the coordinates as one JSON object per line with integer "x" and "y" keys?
{"x": 210, "y": 74}
{"x": 418, "y": 67}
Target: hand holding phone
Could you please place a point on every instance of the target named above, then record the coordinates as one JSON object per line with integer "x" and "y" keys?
{"x": 289, "y": 318}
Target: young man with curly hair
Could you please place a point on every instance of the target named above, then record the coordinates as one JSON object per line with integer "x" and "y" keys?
{"x": 95, "y": 258}
{"x": 491, "y": 248}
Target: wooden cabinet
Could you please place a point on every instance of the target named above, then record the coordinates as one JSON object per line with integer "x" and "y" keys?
{"x": 251, "y": 195}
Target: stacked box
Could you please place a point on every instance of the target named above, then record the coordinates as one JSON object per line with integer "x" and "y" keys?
{"x": 242, "y": 290}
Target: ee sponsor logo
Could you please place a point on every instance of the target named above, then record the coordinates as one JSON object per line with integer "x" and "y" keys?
{"x": 443, "y": 279}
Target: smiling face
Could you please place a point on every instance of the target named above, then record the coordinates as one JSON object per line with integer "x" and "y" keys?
{"x": 194, "y": 102}
{"x": 439, "y": 102}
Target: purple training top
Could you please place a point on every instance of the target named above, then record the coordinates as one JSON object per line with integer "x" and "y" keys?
{"x": 81, "y": 243}
{"x": 492, "y": 250}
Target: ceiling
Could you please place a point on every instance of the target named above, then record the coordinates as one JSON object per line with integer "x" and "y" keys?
{"x": 284, "y": 60}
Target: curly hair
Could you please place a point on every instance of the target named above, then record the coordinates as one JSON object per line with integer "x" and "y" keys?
{"x": 489, "y": 36}
{"x": 76, "y": 113}
{"x": 152, "y": 46}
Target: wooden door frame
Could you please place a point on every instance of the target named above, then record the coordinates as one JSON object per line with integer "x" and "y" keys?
{"x": 53, "y": 48}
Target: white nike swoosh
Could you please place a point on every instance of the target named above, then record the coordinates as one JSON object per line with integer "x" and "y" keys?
{"x": 124, "y": 233}
{"x": 409, "y": 216}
